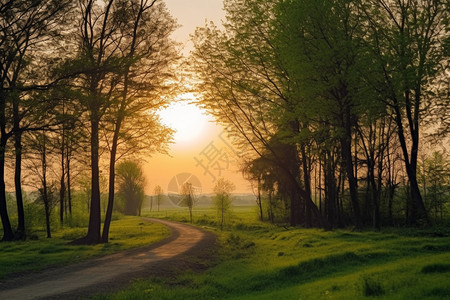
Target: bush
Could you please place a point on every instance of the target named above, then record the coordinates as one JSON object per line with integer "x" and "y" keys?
{"x": 436, "y": 268}
{"x": 371, "y": 287}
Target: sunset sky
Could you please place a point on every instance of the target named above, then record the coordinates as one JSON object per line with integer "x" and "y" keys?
{"x": 200, "y": 148}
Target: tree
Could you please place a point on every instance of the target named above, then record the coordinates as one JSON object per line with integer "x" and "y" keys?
{"x": 123, "y": 65}
{"x": 244, "y": 84}
{"x": 253, "y": 171}
{"x": 98, "y": 66}
{"x": 272, "y": 179}
{"x": 222, "y": 200}
{"x": 435, "y": 183}
{"x": 158, "y": 192}
{"x": 320, "y": 46}
{"x": 324, "y": 84}
{"x": 187, "y": 195}
{"x": 149, "y": 53}
{"x": 39, "y": 167}
{"x": 25, "y": 30}
{"x": 408, "y": 41}
{"x": 131, "y": 186}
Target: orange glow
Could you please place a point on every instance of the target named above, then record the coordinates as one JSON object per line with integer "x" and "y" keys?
{"x": 189, "y": 122}
{"x": 195, "y": 132}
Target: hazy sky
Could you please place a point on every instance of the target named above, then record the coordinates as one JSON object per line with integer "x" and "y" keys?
{"x": 205, "y": 153}
{"x": 192, "y": 14}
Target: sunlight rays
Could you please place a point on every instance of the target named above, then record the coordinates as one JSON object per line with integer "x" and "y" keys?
{"x": 189, "y": 122}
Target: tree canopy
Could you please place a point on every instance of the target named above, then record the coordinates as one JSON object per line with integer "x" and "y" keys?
{"x": 323, "y": 96}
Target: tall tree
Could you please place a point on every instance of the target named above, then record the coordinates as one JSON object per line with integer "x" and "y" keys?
{"x": 37, "y": 163}
{"x": 320, "y": 43}
{"x": 408, "y": 40}
{"x": 123, "y": 62}
{"x": 149, "y": 53}
{"x": 98, "y": 66}
{"x": 244, "y": 85}
{"x": 25, "y": 29}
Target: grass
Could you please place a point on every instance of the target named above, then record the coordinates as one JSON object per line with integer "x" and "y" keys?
{"x": 34, "y": 255}
{"x": 262, "y": 261}
{"x": 240, "y": 217}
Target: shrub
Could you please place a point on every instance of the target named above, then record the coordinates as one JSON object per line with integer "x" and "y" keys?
{"x": 371, "y": 287}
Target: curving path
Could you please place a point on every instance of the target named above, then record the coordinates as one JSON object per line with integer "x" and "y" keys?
{"x": 114, "y": 271}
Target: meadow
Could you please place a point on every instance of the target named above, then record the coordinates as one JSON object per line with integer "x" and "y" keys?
{"x": 262, "y": 261}
{"x": 33, "y": 255}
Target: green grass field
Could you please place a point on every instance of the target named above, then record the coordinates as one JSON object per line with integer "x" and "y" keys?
{"x": 263, "y": 261}
{"x": 33, "y": 255}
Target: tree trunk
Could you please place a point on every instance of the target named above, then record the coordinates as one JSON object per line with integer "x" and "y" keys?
{"x": 375, "y": 195}
{"x": 320, "y": 185}
{"x": 140, "y": 208}
{"x": 379, "y": 182}
{"x": 307, "y": 182}
{"x": 339, "y": 196}
{"x": 18, "y": 169}
{"x": 120, "y": 119}
{"x": 69, "y": 193}
{"x": 261, "y": 216}
{"x": 7, "y": 230}
{"x": 330, "y": 192}
{"x": 62, "y": 189}
{"x": 391, "y": 186}
{"x": 8, "y": 234}
{"x": 18, "y": 184}
{"x": 373, "y": 191}
{"x": 418, "y": 211}
{"x": 47, "y": 214}
{"x": 93, "y": 235}
{"x": 112, "y": 175}
{"x": 44, "y": 189}
{"x": 391, "y": 192}
{"x": 270, "y": 208}
{"x": 348, "y": 162}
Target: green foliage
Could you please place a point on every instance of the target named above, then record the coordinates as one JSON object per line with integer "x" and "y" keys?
{"x": 275, "y": 207}
{"x": 338, "y": 83}
{"x": 34, "y": 217}
{"x": 222, "y": 200}
{"x": 131, "y": 187}
{"x": 434, "y": 177}
{"x": 187, "y": 195}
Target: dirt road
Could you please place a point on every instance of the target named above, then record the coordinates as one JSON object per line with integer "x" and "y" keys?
{"x": 186, "y": 247}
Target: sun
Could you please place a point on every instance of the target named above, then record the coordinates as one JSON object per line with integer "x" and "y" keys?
{"x": 188, "y": 121}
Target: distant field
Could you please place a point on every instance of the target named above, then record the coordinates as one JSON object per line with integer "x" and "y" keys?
{"x": 263, "y": 261}
{"x": 206, "y": 215}
{"x": 33, "y": 255}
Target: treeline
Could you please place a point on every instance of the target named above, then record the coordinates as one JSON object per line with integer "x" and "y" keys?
{"x": 80, "y": 84}
{"x": 328, "y": 102}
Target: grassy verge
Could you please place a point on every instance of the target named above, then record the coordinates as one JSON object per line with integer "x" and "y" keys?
{"x": 125, "y": 233}
{"x": 261, "y": 261}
